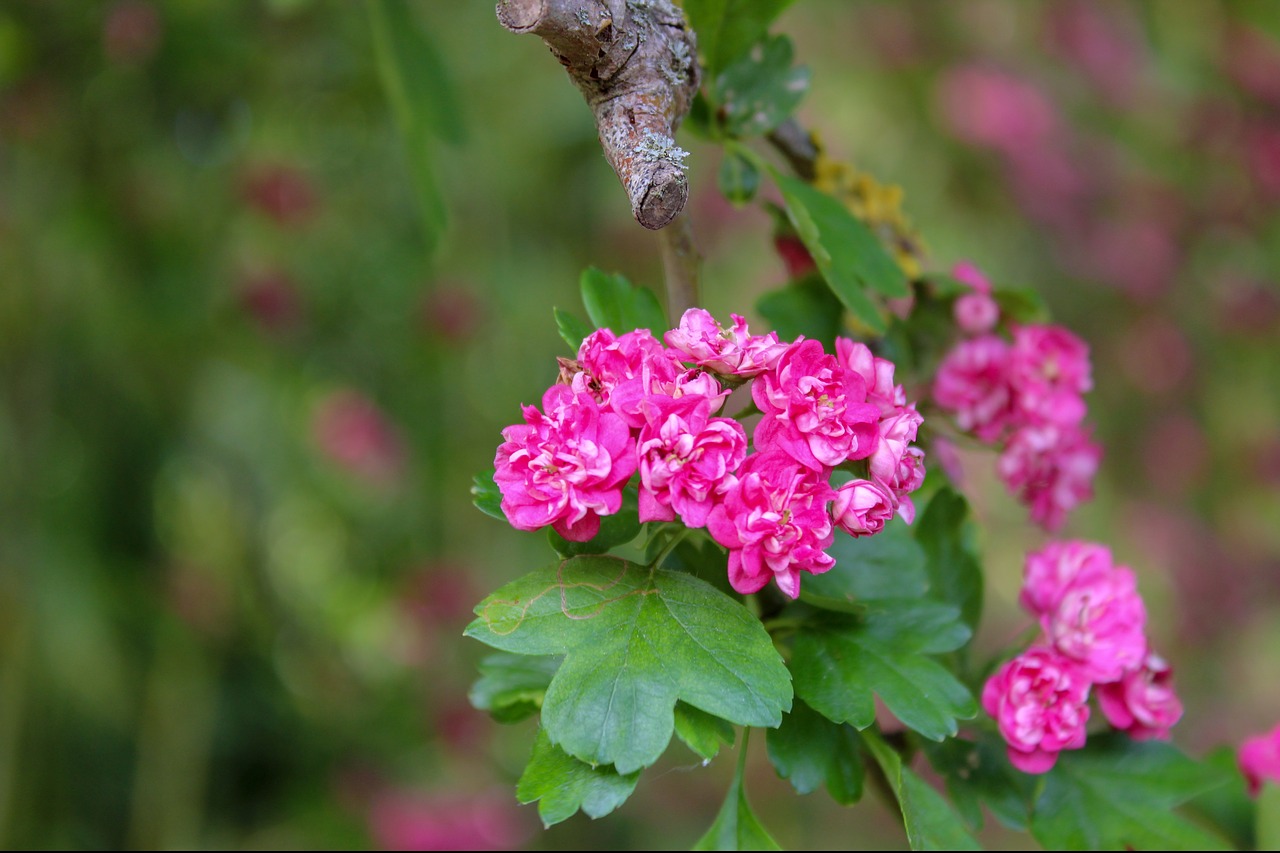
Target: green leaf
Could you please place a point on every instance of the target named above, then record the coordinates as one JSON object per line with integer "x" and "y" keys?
{"x": 760, "y": 90}
{"x": 635, "y": 641}
{"x": 1118, "y": 793}
{"x": 840, "y": 663}
{"x": 1267, "y": 826}
{"x": 486, "y": 496}
{"x": 727, "y": 28}
{"x": 888, "y": 565}
{"x": 422, "y": 100}
{"x": 929, "y": 820}
{"x": 1022, "y": 305}
{"x": 511, "y": 687}
{"x": 810, "y": 750}
{"x": 847, "y": 254}
{"x": 736, "y": 826}
{"x": 738, "y": 178}
{"x": 617, "y": 529}
{"x": 573, "y": 331}
{"x": 702, "y": 732}
{"x": 614, "y": 303}
{"x": 978, "y": 773}
{"x": 954, "y": 572}
{"x": 1229, "y": 808}
{"x": 562, "y": 784}
{"x": 806, "y": 307}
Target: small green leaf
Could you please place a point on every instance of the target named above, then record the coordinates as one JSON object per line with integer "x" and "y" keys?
{"x": 1118, "y": 793}
{"x": 736, "y": 826}
{"x": 1229, "y": 808}
{"x": 840, "y": 663}
{"x": 1267, "y": 827}
{"x": 1022, "y": 305}
{"x": 614, "y": 303}
{"x": 511, "y": 687}
{"x": 955, "y": 574}
{"x": 702, "y": 732}
{"x": 486, "y": 496}
{"x": 573, "y": 331}
{"x": 929, "y": 820}
{"x": 810, "y": 750}
{"x": 617, "y": 529}
{"x": 806, "y": 307}
{"x": 888, "y": 565}
{"x": 738, "y": 178}
{"x": 562, "y": 784}
{"x": 727, "y": 28}
{"x": 760, "y": 90}
{"x": 978, "y": 773}
{"x": 636, "y": 640}
{"x": 847, "y": 254}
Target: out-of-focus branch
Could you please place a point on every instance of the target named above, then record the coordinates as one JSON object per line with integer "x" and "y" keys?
{"x": 636, "y": 64}
{"x": 680, "y": 267}
{"x": 798, "y": 147}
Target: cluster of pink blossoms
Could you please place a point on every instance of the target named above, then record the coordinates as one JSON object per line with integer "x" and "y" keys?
{"x": 628, "y": 404}
{"x": 1093, "y": 623}
{"x": 1027, "y": 397}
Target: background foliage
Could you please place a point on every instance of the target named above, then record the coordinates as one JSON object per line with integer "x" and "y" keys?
{"x": 251, "y": 354}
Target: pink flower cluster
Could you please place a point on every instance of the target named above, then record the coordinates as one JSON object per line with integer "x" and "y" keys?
{"x": 1093, "y": 623}
{"x": 1025, "y": 395}
{"x": 628, "y": 403}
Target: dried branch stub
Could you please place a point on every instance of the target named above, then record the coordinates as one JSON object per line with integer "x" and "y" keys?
{"x": 635, "y": 62}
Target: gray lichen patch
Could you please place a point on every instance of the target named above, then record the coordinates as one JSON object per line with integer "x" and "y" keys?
{"x": 654, "y": 147}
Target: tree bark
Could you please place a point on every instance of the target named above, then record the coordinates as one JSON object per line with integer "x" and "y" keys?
{"x": 635, "y": 62}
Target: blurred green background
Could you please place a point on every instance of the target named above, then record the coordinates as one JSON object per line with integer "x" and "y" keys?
{"x": 245, "y": 380}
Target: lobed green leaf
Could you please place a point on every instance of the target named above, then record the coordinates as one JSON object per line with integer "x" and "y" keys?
{"x": 511, "y": 687}
{"x": 930, "y": 822}
{"x": 573, "y": 330}
{"x": 806, "y": 307}
{"x": 726, "y": 29}
{"x": 840, "y": 663}
{"x": 635, "y": 641}
{"x": 810, "y": 750}
{"x": 561, "y": 784}
{"x": 1118, "y": 793}
{"x": 955, "y": 575}
{"x": 736, "y": 826}
{"x": 702, "y": 732}
{"x": 889, "y": 565}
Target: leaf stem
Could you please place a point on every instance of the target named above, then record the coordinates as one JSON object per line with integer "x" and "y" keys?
{"x": 676, "y": 539}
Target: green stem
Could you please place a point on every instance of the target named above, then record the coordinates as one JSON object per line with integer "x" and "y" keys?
{"x": 676, "y": 539}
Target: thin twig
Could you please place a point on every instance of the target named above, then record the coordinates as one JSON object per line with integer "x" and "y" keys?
{"x": 680, "y": 265}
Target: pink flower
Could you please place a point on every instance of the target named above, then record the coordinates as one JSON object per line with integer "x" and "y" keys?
{"x": 733, "y": 351}
{"x": 1048, "y": 572}
{"x": 973, "y": 384}
{"x": 565, "y": 468}
{"x": 814, "y": 409}
{"x": 876, "y": 373}
{"x": 990, "y": 108}
{"x": 897, "y": 464}
{"x": 632, "y": 362}
{"x": 1050, "y": 468}
{"x": 353, "y": 432}
{"x": 1143, "y": 703}
{"x": 862, "y": 508}
{"x": 774, "y": 522}
{"x": 1049, "y": 370}
{"x": 1100, "y": 623}
{"x": 967, "y": 272}
{"x": 1259, "y": 760}
{"x": 1040, "y": 702}
{"x": 687, "y": 460}
{"x": 976, "y": 313}
{"x": 412, "y": 820}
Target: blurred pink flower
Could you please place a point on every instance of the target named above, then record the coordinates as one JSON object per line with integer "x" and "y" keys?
{"x": 1143, "y": 703}
{"x": 991, "y": 108}
{"x": 1049, "y": 371}
{"x": 1259, "y": 760}
{"x": 1051, "y": 469}
{"x": 972, "y": 383}
{"x": 1155, "y": 355}
{"x": 1262, "y": 149}
{"x": 1039, "y": 700}
{"x": 1049, "y": 572}
{"x": 131, "y": 32}
{"x": 1252, "y": 59}
{"x": 1100, "y": 623}
{"x": 976, "y": 313}
{"x": 354, "y": 433}
{"x": 1102, "y": 41}
{"x": 413, "y": 820}
{"x": 272, "y": 298}
{"x": 283, "y": 193}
